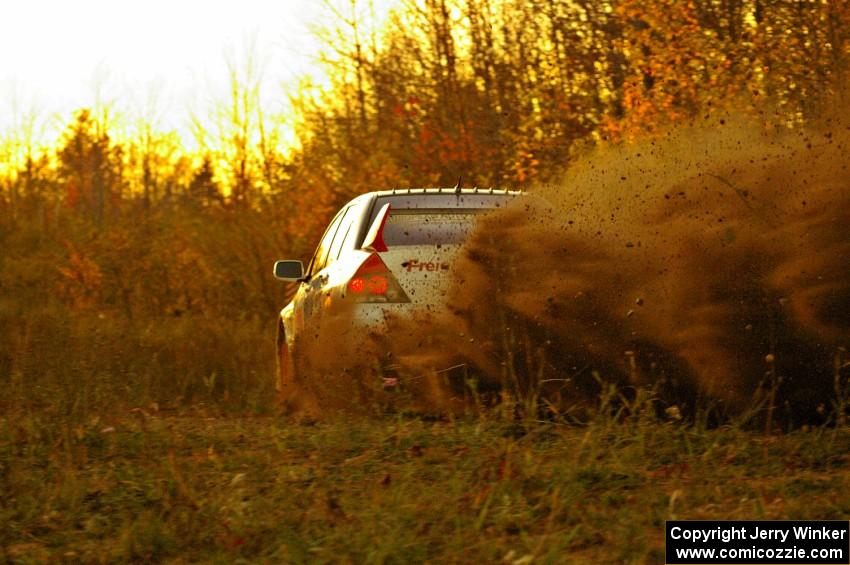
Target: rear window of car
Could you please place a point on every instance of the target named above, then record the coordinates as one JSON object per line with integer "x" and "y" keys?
{"x": 429, "y": 227}
{"x": 434, "y": 218}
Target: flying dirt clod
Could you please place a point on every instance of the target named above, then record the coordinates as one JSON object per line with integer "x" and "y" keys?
{"x": 681, "y": 263}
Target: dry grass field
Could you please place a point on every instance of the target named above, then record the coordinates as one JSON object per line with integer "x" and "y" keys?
{"x": 96, "y": 465}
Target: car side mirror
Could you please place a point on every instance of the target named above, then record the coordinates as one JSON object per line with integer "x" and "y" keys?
{"x": 289, "y": 270}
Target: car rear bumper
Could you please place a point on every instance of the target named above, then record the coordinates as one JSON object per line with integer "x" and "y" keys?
{"x": 378, "y": 318}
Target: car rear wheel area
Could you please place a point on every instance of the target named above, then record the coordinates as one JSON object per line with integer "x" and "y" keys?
{"x": 285, "y": 366}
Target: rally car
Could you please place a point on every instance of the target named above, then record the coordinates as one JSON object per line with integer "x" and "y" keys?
{"x": 384, "y": 253}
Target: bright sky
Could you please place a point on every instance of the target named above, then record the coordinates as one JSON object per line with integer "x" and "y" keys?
{"x": 60, "y": 55}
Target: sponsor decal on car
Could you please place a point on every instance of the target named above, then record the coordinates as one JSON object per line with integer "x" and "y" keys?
{"x": 430, "y": 266}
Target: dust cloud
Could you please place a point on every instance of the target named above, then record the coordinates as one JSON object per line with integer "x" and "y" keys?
{"x": 712, "y": 263}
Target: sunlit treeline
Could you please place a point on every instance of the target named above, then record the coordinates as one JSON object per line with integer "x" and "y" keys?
{"x": 495, "y": 92}
{"x": 503, "y": 91}
{"x": 142, "y": 227}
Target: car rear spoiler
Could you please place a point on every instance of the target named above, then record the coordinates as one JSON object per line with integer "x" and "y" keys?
{"x": 375, "y": 236}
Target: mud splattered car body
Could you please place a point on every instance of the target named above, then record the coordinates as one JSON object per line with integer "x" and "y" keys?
{"x": 385, "y": 253}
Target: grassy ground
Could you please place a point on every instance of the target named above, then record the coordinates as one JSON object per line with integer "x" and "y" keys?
{"x": 148, "y": 485}
{"x": 156, "y": 442}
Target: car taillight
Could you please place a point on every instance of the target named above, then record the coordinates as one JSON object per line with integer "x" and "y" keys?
{"x": 373, "y": 282}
